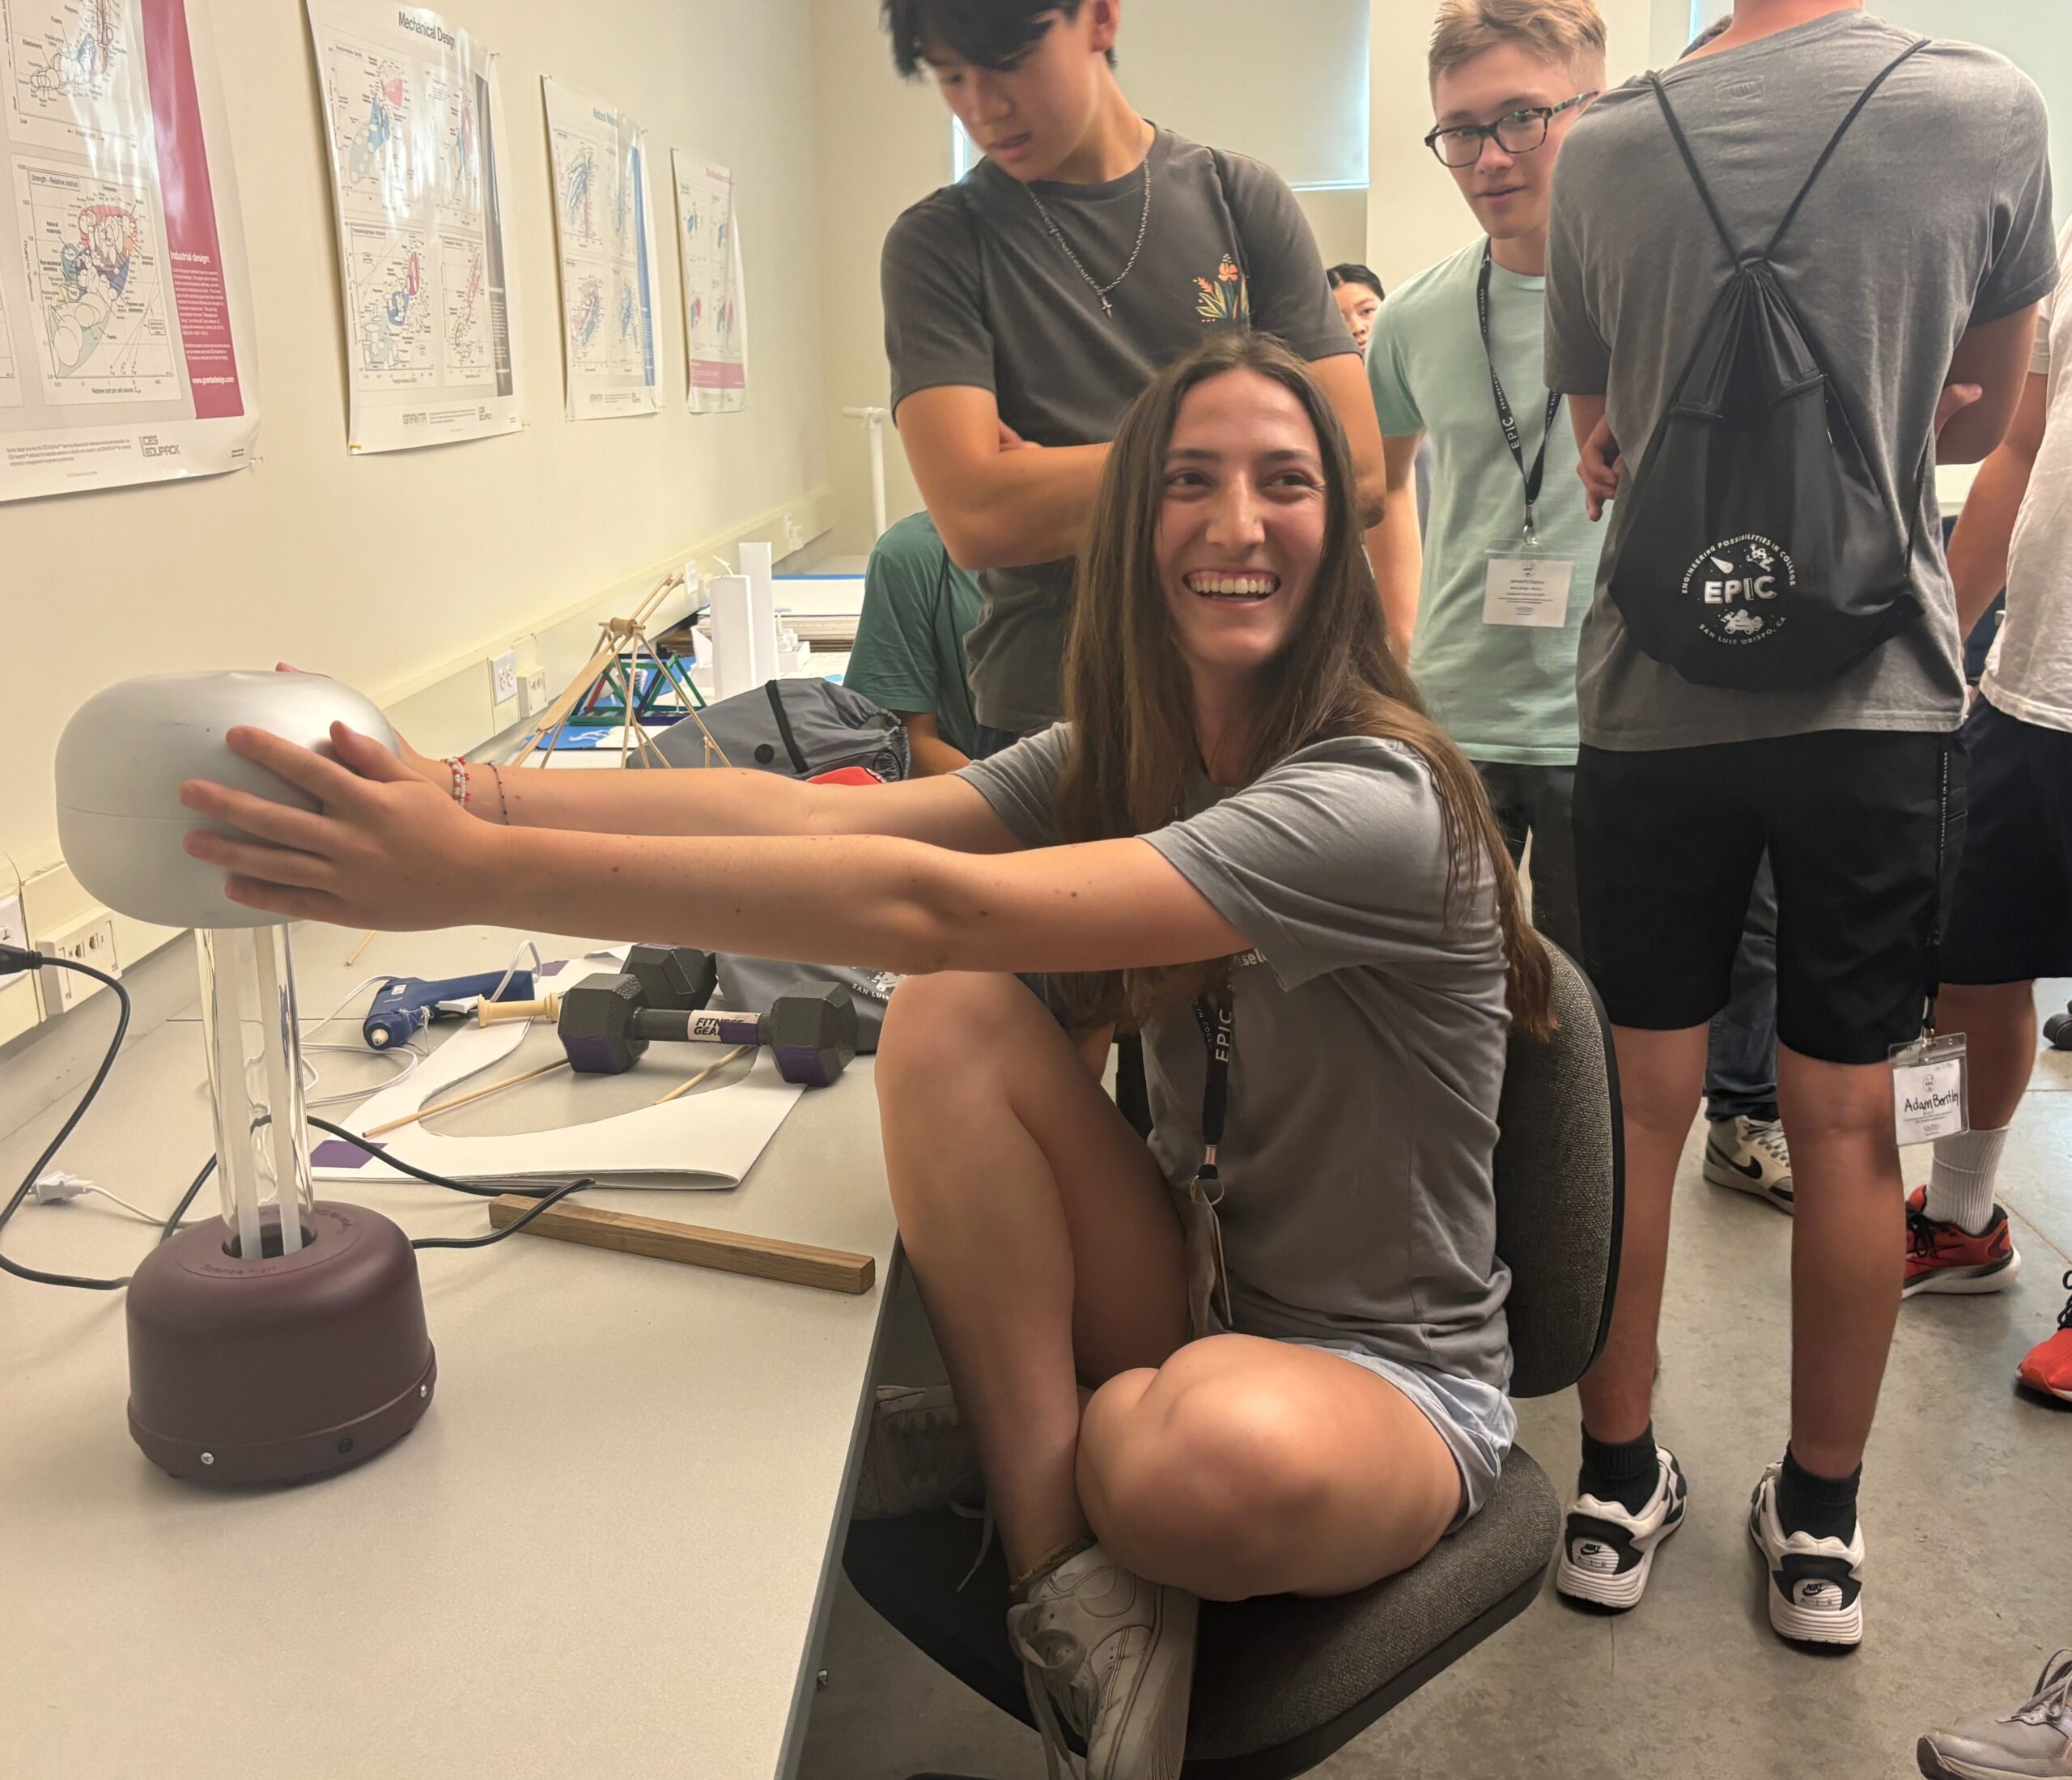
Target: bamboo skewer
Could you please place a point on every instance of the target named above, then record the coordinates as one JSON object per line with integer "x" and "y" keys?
{"x": 463, "y": 1099}
{"x": 682, "y": 1089}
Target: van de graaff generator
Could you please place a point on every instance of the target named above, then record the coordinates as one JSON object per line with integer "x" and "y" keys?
{"x": 287, "y": 1339}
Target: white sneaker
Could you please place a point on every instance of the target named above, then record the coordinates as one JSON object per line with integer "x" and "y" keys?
{"x": 2032, "y": 1741}
{"x": 1816, "y": 1585}
{"x": 917, "y": 1455}
{"x": 1749, "y": 1156}
{"x": 1608, "y": 1550}
{"x": 1114, "y": 1656}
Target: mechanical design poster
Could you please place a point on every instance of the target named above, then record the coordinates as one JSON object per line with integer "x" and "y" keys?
{"x": 708, "y": 243}
{"x": 413, "y": 129}
{"x": 603, "y": 222}
{"x": 126, "y": 318}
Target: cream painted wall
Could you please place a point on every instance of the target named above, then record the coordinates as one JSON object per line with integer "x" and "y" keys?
{"x": 380, "y": 568}
{"x": 883, "y": 142}
{"x": 1338, "y": 219}
{"x": 1415, "y": 215}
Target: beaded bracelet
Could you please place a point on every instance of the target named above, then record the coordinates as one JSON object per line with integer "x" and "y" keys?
{"x": 459, "y": 768}
{"x": 503, "y": 801}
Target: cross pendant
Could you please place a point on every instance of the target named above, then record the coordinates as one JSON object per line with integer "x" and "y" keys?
{"x": 1105, "y": 304}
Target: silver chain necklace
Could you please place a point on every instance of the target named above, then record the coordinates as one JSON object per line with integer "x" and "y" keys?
{"x": 1057, "y": 235}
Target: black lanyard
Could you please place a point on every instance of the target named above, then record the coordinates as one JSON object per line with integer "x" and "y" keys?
{"x": 1505, "y": 417}
{"x": 1216, "y": 1019}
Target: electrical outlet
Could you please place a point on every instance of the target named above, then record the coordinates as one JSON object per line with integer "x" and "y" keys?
{"x": 91, "y": 942}
{"x": 534, "y": 690}
{"x": 795, "y": 533}
{"x": 504, "y": 677}
{"x": 14, "y": 931}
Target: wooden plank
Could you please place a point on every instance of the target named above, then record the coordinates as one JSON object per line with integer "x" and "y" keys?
{"x": 797, "y": 1264}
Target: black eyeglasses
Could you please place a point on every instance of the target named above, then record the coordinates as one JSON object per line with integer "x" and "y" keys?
{"x": 1516, "y": 133}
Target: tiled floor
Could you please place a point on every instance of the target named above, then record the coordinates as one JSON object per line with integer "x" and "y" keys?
{"x": 1968, "y": 1513}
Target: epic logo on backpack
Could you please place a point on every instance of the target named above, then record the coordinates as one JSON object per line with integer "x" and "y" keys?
{"x": 1758, "y": 550}
{"x": 1741, "y": 589}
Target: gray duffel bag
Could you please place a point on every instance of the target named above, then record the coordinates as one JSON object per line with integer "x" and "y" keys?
{"x": 798, "y": 728}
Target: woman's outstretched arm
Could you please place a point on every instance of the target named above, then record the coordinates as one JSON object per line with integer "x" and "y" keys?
{"x": 388, "y": 850}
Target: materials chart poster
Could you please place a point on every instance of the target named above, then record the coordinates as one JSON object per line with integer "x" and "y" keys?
{"x": 413, "y": 125}
{"x": 715, "y": 324}
{"x": 605, "y": 225}
{"x": 126, "y": 318}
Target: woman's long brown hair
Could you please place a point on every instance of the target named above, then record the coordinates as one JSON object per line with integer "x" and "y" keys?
{"x": 1128, "y": 698}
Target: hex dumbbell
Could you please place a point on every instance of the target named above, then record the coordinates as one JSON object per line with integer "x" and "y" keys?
{"x": 811, "y": 1031}
{"x": 668, "y": 976}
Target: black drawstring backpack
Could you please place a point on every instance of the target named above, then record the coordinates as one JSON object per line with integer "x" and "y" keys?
{"x": 1758, "y": 550}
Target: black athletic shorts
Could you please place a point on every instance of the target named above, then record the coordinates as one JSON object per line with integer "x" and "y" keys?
{"x": 1864, "y": 828}
{"x": 2011, "y": 916}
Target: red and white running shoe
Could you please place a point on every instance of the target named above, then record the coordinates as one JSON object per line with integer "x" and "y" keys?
{"x": 2048, "y": 1367}
{"x": 1947, "y": 1257}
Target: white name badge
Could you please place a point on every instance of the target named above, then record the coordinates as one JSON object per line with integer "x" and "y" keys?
{"x": 1928, "y": 1089}
{"x": 1528, "y": 586}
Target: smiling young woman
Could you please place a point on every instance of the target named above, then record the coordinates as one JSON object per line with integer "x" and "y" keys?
{"x": 1247, "y": 839}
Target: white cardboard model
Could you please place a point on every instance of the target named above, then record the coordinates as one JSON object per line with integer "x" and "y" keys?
{"x": 709, "y": 1139}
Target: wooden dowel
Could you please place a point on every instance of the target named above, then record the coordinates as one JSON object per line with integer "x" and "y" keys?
{"x": 712, "y": 1068}
{"x": 463, "y": 1099}
{"x": 353, "y": 956}
{"x": 797, "y": 1264}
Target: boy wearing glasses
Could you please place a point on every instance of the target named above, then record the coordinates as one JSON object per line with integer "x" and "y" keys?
{"x": 1490, "y": 599}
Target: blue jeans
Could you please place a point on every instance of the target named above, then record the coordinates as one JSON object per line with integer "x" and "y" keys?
{"x": 1741, "y": 1053}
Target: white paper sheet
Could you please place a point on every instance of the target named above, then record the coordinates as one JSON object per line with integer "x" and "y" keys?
{"x": 603, "y": 222}
{"x": 715, "y": 304}
{"x": 707, "y": 1139}
{"x": 125, "y": 319}
{"x": 413, "y": 127}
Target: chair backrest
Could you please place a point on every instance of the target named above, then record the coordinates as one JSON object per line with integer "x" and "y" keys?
{"x": 1560, "y": 1180}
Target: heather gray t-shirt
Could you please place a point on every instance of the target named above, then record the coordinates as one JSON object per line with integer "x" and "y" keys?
{"x": 1368, "y": 1058}
{"x": 1934, "y": 217}
{"x": 978, "y": 293}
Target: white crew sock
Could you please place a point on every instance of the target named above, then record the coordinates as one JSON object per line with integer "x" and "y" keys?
{"x": 1960, "y": 1183}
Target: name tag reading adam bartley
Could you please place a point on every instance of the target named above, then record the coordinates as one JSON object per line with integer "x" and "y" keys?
{"x": 1928, "y": 1089}
{"x": 1524, "y": 587}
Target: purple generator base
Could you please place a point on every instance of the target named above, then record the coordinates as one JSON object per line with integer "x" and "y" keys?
{"x": 282, "y": 1368}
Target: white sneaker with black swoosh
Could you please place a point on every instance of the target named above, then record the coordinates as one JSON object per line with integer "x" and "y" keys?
{"x": 1749, "y": 1156}
{"x": 1815, "y": 1585}
{"x": 1607, "y": 1549}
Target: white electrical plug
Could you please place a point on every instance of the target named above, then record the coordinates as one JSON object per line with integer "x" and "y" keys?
{"x": 58, "y": 1185}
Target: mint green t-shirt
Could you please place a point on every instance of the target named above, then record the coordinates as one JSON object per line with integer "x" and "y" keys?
{"x": 919, "y": 607}
{"x": 1503, "y": 692}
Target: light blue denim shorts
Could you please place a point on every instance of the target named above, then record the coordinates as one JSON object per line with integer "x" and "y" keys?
{"x": 1476, "y": 1421}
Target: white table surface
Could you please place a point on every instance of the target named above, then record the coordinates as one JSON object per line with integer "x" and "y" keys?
{"x": 606, "y": 1550}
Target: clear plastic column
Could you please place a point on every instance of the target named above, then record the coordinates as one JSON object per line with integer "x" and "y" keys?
{"x": 254, "y": 1044}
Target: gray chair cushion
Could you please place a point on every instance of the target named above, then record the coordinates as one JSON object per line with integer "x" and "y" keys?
{"x": 1278, "y": 1682}
{"x": 1560, "y": 1171}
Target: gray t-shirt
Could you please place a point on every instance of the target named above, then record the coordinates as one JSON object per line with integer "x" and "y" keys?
{"x": 978, "y": 293}
{"x": 1368, "y": 1058}
{"x": 1895, "y": 254}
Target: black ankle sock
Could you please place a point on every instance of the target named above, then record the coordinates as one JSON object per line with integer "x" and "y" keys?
{"x": 1822, "y": 1507}
{"x": 1625, "y": 1472}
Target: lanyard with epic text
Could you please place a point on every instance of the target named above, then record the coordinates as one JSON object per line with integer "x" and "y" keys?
{"x": 1208, "y": 1287}
{"x": 1216, "y": 1019}
{"x": 1505, "y": 417}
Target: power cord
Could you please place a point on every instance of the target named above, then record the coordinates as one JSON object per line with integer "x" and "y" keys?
{"x": 13, "y": 958}
{"x": 16, "y": 957}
